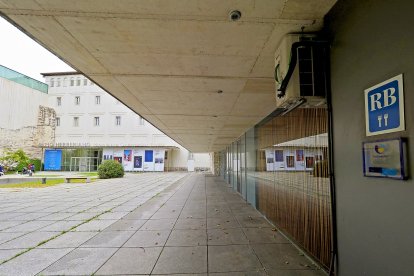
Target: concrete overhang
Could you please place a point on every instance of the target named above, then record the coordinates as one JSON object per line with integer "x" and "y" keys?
{"x": 168, "y": 60}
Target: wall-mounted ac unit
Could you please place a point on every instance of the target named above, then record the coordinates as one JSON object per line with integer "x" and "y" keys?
{"x": 305, "y": 85}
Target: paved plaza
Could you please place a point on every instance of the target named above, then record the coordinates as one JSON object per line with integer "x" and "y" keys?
{"x": 142, "y": 224}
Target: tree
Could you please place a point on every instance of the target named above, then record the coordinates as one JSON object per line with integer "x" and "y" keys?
{"x": 13, "y": 159}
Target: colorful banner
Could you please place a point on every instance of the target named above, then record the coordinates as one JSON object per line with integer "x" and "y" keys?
{"x": 149, "y": 161}
{"x": 159, "y": 160}
{"x": 127, "y": 162}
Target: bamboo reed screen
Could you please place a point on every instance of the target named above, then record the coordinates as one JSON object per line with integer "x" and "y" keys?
{"x": 298, "y": 202}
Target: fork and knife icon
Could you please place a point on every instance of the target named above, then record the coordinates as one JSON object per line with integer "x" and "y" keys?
{"x": 385, "y": 120}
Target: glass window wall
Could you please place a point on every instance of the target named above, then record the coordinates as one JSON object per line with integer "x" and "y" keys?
{"x": 281, "y": 167}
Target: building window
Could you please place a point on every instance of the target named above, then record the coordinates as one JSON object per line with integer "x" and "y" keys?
{"x": 58, "y": 101}
{"x": 57, "y": 121}
{"x": 97, "y": 99}
{"x": 91, "y": 83}
{"x": 58, "y": 83}
{"x": 72, "y": 82}
{"x": 77, "y": 100}
{"x": 118, "y": 120}
{"x": 85, "y": 82}
{"x": 96, "y": 121}
{"x": 65, "y": 82}
{"x": 52, "y": 82}
{"x": 75, "y": 121}
{"x": 78, "y": 82}
{"x": 141, "y": 121}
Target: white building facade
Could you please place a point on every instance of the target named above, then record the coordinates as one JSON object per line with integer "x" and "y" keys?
{"x": 92, "y": 126}
{"x": 25, "y": 118}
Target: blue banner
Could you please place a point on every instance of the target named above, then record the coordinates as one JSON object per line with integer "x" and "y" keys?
{"x": 53, "y": 160}
{"x": 149, "y": 156}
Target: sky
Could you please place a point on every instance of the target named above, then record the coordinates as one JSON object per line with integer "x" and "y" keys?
{"x": 22, "y": 54}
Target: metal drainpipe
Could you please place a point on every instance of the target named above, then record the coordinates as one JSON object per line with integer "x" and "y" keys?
{"x": 333, "y": 263}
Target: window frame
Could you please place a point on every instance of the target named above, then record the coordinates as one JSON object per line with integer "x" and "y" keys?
{"x": 76, "y": 121}
{"x": 118, "y": 120}
{"x": 96, "y": 121}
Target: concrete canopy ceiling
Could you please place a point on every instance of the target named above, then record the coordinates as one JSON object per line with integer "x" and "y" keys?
{"x": 166, "y": 59}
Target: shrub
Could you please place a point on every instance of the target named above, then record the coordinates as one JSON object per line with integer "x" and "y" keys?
{"x": 21, "y": 165}
{"x": 110, "y": 169}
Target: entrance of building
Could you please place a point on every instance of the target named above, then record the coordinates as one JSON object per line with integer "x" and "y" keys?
{"x": 83, "y": 164}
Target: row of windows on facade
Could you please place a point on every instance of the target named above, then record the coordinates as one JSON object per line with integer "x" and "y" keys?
{"x": 69, "y": 82}
{"x": 77, "y": 100}
{"x": 96, "y": 121}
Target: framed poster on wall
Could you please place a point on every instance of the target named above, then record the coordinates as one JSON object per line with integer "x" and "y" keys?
{"x": 299, "y": 155}
{"x": 137, "y": 162}
{"x": 119, "y": 159}
{"x": 290, "y": 161}
{"x": 309, "y": 160}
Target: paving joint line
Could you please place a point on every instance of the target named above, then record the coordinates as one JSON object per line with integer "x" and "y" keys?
{"x": 65, "y": 231}
{"x": 162, "y": 250}
{"x": 70, "y": 229}
{"x": 178, "y": 180}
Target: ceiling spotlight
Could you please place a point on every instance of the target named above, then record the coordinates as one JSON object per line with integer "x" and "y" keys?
{"x": 234, "y": 15}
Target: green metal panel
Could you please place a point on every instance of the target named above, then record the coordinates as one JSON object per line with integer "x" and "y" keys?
{"x": 19, "y": 78}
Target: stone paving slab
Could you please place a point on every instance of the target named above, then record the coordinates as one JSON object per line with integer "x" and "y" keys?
{"x": 28, "y": 240}
{"x": 126, "y": 225}
{"x": 109, "y": 239}
{"x": 182, "y": 260}
{"x": 232, "y": 258}
{"x": 33, "y": 261}
{"x": 226, "y": 236}
{"x": 187, "y": 238}
{"x": 148, "y": 238}
{"x": 131, "y": 261}
{"x": 81, "y": 261}
{"x": 8, "y": 253}
{"x": 68, "y": 206}
{"x": 196, "y": 226}
{"x": 69, "y": 240}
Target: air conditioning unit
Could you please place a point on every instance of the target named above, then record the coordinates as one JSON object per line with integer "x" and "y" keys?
{"x": 305, "y": 85}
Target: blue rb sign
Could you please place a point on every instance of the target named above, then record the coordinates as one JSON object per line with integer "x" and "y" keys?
{"x": 384, "y": 107}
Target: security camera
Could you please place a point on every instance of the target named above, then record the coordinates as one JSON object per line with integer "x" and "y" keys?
{"x": 234, "y": 15}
